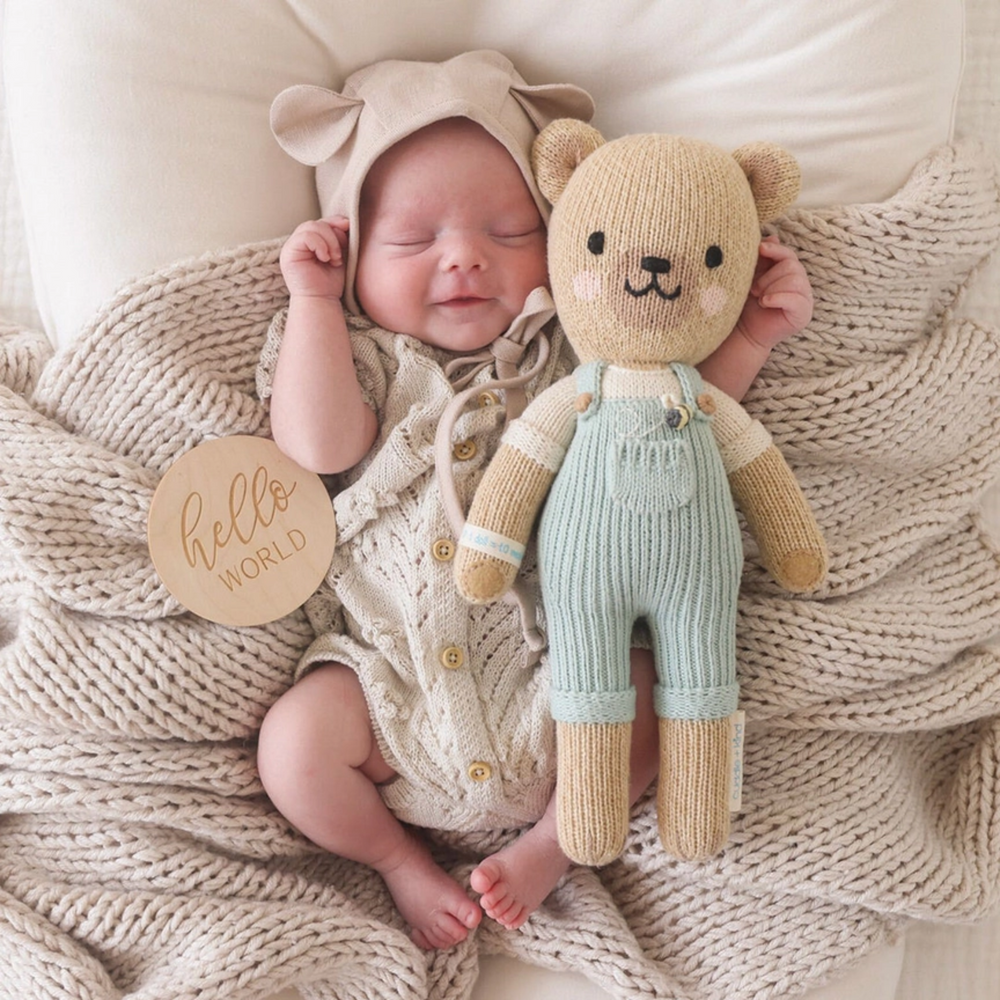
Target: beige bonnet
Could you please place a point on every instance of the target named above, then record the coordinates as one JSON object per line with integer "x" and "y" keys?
{"x": 342, "y": 134}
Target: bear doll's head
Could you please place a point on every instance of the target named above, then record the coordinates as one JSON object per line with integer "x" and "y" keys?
{"x": 653, "y": 238}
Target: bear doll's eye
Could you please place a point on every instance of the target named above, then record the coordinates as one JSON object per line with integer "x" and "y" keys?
{"x": 595, "y": 243}
{"x": 713, "y": 256}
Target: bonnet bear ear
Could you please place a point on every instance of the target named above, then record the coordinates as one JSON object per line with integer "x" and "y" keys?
{"x": 774, "y": 176}
{"x": 548, "y": 101}
{"x": 558, "y": 150}
{"x": 312, "y": 123}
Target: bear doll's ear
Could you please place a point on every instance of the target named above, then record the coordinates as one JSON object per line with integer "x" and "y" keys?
{"x": 774, "y": 176}
{"x": 558, "y": 150}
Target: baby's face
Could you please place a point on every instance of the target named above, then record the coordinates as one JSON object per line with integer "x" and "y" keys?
{"x": 451, "y": 241}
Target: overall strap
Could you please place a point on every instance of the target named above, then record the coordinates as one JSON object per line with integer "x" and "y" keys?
{"x": 588, "y": 382}
{"x": 691, "y": 383}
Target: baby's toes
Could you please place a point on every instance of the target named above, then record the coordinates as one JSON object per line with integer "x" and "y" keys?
{"x": 485, "y": 876}
{"x": 511, "y": 914}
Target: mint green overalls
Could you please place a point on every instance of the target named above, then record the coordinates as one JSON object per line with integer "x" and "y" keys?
{"x": 640, "y": 523}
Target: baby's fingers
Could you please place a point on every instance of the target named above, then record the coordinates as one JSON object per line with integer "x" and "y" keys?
{"x": 793, "y": 305}
{"x": 340, "y": 227}
{"x": 785, "y": 273}
{"x": 773, "y": 249}
{"x": 318, "y": 240}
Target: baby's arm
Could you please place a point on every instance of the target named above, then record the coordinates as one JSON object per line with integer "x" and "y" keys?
{"x": 319, "y": 417}
{"x": 779, "y": 304}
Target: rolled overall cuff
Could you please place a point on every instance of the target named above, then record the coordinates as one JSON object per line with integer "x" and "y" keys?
{"x": 593, "y": 706}
{"x": 696, "y": 703}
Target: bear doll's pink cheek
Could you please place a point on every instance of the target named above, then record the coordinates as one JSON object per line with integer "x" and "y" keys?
{"x": 587, "y": 285}
{"x": 713, "y": 300}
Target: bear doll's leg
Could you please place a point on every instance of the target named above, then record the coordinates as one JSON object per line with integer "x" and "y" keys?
{"x": 692, "y": 797}
{"x": 593, "y": 704}
{"x": 592, "y": 789}
{"x": 695, "y": 698}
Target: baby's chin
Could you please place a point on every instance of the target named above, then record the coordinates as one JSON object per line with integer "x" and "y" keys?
{"x": 469, "y": 333}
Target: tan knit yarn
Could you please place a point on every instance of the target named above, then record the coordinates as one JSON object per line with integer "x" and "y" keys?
{"x": 137, "y": 852}
{"x": 593, "y": 807}
{"x": 692, "y": 799}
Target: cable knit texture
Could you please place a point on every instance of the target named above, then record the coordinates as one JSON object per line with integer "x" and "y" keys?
{"x": 138, "y": 855}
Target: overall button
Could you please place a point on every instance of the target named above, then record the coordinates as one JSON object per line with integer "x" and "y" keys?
{"x": 487, "y": 398}
{"x": 479, "y": 770}
{"x": 452, "y": 657}
{"x": 443, "y": 550}
{"x": 464, "y": 450}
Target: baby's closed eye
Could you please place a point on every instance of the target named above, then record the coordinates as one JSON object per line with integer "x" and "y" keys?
{"x": 415, "y": 241}
{"x": 515, "y": 234}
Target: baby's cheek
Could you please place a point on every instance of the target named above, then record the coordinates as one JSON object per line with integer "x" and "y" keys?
{"x": 587, "y": 285}
{"x": 713, "y": 300}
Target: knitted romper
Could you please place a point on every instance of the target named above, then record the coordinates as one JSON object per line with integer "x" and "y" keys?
{"x": 640, "y": 523}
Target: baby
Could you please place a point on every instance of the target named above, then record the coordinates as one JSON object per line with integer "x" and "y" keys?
{"x": 413, "y": 709}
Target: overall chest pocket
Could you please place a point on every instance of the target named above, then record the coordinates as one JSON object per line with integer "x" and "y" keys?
{"x": 651, "y": 476}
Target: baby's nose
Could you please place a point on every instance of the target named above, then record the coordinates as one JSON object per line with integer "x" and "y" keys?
{"x": 463, "y": 251}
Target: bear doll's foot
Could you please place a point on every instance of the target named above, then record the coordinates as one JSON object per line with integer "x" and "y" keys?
{"x": 692, "y": 798}
{"x": 592, "y": 789}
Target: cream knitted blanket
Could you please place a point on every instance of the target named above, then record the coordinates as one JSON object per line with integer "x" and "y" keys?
{"x": 138, "y": 856}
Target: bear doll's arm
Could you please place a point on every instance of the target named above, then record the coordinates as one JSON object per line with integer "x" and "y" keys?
{"x": 776, "y": 510}
{"x": 779, "y": 517}
{"x": 511, "y": 493}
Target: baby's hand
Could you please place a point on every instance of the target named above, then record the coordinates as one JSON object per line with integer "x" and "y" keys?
{"x": 312, "y": 259}
{"x": 780, "y": 302}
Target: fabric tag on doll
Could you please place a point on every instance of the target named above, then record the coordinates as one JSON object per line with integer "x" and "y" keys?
{"x": 239, "y": 533}
{"x": 737, "y": 730}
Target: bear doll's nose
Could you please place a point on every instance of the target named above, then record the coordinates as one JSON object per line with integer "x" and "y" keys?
{"x": 655, "y": 265}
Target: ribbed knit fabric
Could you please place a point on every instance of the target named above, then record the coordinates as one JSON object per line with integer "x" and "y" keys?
{"x": 138, "y": 855}
{"x": 592, "y": 808}
{"x": 640, "y": 523}
{"x": 692, "y": 797}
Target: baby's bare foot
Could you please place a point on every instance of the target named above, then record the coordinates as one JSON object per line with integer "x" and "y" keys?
{"x": 514, "y": 882}
{"x": 435, "y": 906}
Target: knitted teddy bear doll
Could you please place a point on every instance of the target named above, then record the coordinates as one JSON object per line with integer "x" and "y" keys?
{"x": 652, "y": 250}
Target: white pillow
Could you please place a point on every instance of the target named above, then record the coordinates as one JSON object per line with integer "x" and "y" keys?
{"x": 140, "y": 131}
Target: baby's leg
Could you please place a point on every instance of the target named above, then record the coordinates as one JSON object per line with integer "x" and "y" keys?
{"x": 320, "y": 764}
{"x": 514, "y": 881}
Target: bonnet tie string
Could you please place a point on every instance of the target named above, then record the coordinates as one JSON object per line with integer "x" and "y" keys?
{"x": 505, "y": 352}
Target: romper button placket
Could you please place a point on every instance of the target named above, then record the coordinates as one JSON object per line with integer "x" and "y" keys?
{"x": 452, "y": 657}
{"x": 464, "y": 450}
{"x": 487, "y": 398}
{"x": 479, "y": 770}
{"x": 443, "y": 550}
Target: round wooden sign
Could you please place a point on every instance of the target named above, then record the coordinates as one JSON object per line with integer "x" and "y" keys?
{"x": 239, "y": 533}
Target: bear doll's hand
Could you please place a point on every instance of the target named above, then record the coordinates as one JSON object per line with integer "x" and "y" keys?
{"x": 800, "y": 571}
{"x": 480, "y": 577}
{"x": 503, "y": 511}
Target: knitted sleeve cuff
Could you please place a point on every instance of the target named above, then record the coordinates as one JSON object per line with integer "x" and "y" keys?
{"x": 543, "y": 432}
{"x": 740, "y": 438}
{"x": 534, "y": 444}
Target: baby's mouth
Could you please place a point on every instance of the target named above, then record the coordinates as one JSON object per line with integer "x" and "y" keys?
{"x": 462, "y": 301}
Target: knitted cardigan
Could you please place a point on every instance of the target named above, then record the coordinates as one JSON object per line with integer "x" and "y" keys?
{"x": 138, "y": 855}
